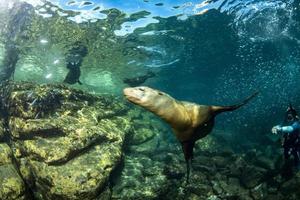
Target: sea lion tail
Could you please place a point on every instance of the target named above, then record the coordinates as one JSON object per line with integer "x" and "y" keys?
{"x": 220, "y": 109}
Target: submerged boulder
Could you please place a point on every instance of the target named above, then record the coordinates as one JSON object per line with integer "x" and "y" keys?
{"x": 1, "y": 130}
{"x": 11, "y": 184}
{"x": 141, "y": 178}
{"x": 66, "y": 142}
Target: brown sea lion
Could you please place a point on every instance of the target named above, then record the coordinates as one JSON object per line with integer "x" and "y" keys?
{"x": 189, "y": 121}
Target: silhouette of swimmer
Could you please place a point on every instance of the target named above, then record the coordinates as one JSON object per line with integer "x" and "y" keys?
{"x": 74, "y": 60}
{"x": 136, "y": 81}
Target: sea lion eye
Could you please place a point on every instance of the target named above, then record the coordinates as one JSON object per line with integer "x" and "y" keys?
{"x": 160, "y": 93}
{"x": 142, "y": 89}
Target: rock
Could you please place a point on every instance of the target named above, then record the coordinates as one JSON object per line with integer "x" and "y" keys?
{"x": 204, "y": 163}
{"x": 259, "y": 192}
{"x": 140, "y": 135}
{"x": 265, "y": 162}
{"x": 149, "y": 147}
{"x": 236, "y": 167}
{"x": 219, "y": 161}
{"x": 229, "y": 188}
{"x": 66, "y": 142}
{"x": 213, "y": 197}
{"x": 5, "y": 154}
{"x": 11, "y": 185}
{"x": 276, "y": 196}
{"x": 175, "y": 169}
{"x": 290, "y": 188}
{"x": 145, "y": 126}
{"x": 252, "y": 176}
{"x": 201, "y": 189}
{"x": 1, "y": 130}
{"x": 212, "y": 143}
{"x": 141, "y": 178}
{"x": 274, "y": 183}
{"x": 259, "y": 159}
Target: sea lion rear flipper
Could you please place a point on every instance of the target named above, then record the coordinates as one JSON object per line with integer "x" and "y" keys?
{"x": 187, "y": 148}
{"x": 220, "y": 109}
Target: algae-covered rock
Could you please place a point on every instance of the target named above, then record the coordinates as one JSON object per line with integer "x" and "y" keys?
{"x": 1, "y": 130}
{"x": 140, "y": 136}
{"x": 214, "y": 142}
{"x": 145, "y": 127}
{"x": 259, "y": 192}
{"x": 141, "y": 178}
{"x": 11, "y": 184}
{"x": 252, "y": 176}
{"x": 290, "y": 188}
{"x": 66, "y": 142}
{"x": 5, "y": 154}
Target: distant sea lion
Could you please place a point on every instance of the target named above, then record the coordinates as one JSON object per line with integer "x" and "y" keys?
{"x": 189, "y": 121}
{"x": 136, "y": 81}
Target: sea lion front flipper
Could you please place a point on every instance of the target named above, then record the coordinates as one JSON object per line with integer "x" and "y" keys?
{"x": 187, "y": 148}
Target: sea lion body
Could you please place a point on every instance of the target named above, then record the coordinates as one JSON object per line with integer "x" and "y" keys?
{"x": 189, "y": 121}
{"x": 201, "y": 122}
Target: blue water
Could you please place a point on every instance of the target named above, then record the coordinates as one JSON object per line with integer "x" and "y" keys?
{"x": 210, "y": 52}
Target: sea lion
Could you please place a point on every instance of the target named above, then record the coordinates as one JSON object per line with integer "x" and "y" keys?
{"x": 189, "y": 121}
{"x": 133, "y": 82}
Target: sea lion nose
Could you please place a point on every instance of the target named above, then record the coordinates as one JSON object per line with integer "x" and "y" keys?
{"x": 125, "y": 91}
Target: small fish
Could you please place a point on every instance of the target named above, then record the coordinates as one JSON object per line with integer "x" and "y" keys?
{"x": 96, "y": 8}
{"x": 133, "y": 82}
{"x": 86, "y": 3}
{"x": 71, "y": 3}
{"x": 159, "y": 4}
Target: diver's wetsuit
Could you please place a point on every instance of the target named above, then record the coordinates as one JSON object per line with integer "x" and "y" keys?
{"x": 291, "y": 143}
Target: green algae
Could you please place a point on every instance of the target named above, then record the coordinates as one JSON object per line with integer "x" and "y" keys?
{"x": 70, "y": 150}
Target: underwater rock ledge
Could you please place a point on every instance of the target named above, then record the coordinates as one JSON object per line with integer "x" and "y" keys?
{"x": 65, "y": 143}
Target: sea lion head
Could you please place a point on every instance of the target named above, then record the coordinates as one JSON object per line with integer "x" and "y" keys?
{"x": 146, "y": 97}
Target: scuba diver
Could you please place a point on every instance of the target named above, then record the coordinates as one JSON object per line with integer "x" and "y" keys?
{"x": 291, "y": 138}
{"x": 74, "y": 60}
